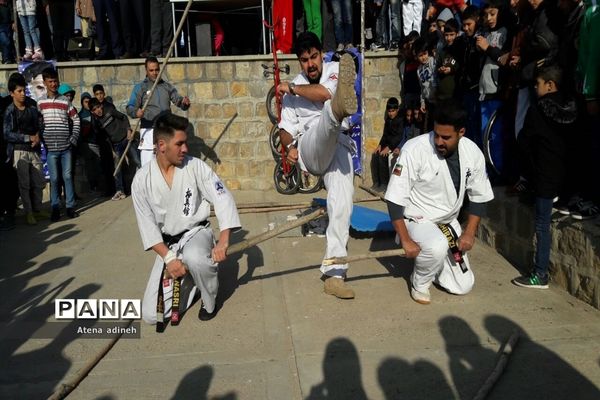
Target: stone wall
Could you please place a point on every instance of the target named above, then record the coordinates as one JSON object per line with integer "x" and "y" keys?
{"x": 228, "y": 104}
{"x": 574, "y": 256}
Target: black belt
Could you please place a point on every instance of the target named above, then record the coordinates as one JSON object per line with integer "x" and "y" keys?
{"x": 169, "y": 240}
{"x": 452, "y": 238}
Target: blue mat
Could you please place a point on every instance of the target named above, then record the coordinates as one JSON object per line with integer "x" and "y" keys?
{"x": 365, "y": 219}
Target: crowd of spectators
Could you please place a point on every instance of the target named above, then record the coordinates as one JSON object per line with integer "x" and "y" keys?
{"x": 513, "y": 65}
{"x": 119, "y": 29}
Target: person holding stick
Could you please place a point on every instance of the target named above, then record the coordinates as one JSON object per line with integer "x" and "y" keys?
{"x": 164, "y": 94}
{"x": 172, "y": 195}
{"x": 425, "y": 195}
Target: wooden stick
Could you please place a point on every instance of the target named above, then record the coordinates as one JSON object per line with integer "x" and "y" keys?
{"x": 507, "y": 350}
{"x": 298, "y": 204}
{"x": 374, "y": 193}
{"x": 366, "y": 256}
{"x": 274, "y": 207}
{"x": 243, "y": 245}
{"x": 66, "y": 388}
{"x": 162, "y": 69}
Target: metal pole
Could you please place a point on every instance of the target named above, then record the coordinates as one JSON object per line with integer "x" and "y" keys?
{"x": 264, "y": 39}
{"x": 363, "y": 156}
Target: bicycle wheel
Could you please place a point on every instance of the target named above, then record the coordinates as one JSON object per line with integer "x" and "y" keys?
{"x": 286, "y": 183}
{"x": 487, "y": 147}
{"x": 275, "y": 142}
{"x": 310, "y": 183}
{"x": 271, "y": 103}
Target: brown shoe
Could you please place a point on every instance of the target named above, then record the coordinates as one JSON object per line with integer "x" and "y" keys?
{"x": 344, "y": 102}
{"x": 337, "y": 287}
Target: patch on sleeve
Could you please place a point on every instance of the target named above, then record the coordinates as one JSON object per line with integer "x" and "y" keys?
{"x": 219, "y": 187}
{"x": 333, "y": 77}
{"x": 397, "y": 169}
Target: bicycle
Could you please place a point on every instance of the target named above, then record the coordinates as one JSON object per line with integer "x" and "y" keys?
{"x": 288, "y": 178}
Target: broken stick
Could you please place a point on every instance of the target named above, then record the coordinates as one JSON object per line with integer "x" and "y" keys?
{"x": 500, "y": 365}
{"x": 245, "y": 244}
{"x": 366, "y": 256}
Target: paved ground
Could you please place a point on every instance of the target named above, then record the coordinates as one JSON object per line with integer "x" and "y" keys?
{"x": 277, "y": 335}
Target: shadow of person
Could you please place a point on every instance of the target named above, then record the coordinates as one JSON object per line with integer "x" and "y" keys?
{"x": 399, "y": 380}
{"x": 194, "y": 384}
{"x": 35, "y": 373}
{"x": 341, "y": 373}
{"x": 197, "y": 147}
{"x": 470, "y": 362}
{"x": 229, "y": 269}
{"x": 536, "y": 372}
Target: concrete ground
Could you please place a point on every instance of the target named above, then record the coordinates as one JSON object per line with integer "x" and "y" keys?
{"x": 277, "y": 335}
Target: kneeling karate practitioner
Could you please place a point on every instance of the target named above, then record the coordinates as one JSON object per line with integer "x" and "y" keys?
{"x": 172, "y": 195}
{"x": 314, "y": 105}
{"x": 425, "y": 195}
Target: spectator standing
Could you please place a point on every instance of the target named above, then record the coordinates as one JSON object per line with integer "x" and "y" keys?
{"x": 60, "y": 130}
{"x": 115, "y": 126}
{"x": 106, "y": 9}
{"x": 90, "y": 145}
{"x": 85, "y": 11}
{"x": 8, "y": 177}
{"x": 393, "y": 131}
{"x": 342, "y": 23}
{"x": 164, "y": 94}
{"x": 491, "y": 45}
{"x": 312, "y": 13}
{"x": 542, "y": 146}
{"x": 468, "y": 83}
{"x": 62, "y": 18}
{"x": 100, "y": 94}
{"x": 27, "y": 9}
{"x": 135, "y": 28}
{"x": 387, "y": 36}
{"x": 6, "y": 32}
{"x": 448, "y": 66}
{"x": 427, "y": 78}
{"x": 412, "y": 16}
{"x": 161, "y": 27}
{"x": 22, "y": 132}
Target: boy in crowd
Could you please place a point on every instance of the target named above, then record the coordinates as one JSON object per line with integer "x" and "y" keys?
{"x": 60, "y": 129}
{"x": 427, "y": 77}
{"x": 118, "y": 130}
{"x": 491, "y": 45}
{"x": 543, "y": 144}
{"x": 22, "y": 132}
{"x": 392, "y": 135}
{"x": 468, "y": 80}
{"x": 448, "y": 65}
{"x": 90, "y": 145}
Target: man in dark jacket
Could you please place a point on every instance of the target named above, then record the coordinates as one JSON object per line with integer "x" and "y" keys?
{"x": 116, "y": 127}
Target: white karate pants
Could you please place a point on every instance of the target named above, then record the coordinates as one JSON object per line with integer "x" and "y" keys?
{"x": 435, "y": 262}
{"x": 325, "y": 151}
{"x": 202, "y": 275}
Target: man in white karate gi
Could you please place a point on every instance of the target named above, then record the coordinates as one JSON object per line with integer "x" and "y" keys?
{"x": 425, "y": 194}
{"x": 172, "y": 195}
{"x": 314, "y": 105}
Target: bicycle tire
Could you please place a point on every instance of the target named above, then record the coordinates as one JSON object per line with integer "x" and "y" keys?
{"x": 271, "y": 104}
{"x": 487, "y": 135}
{"x": 310, "y": 183}
{"x": 275, "y": 142}
{"x": 286, "y": 183}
